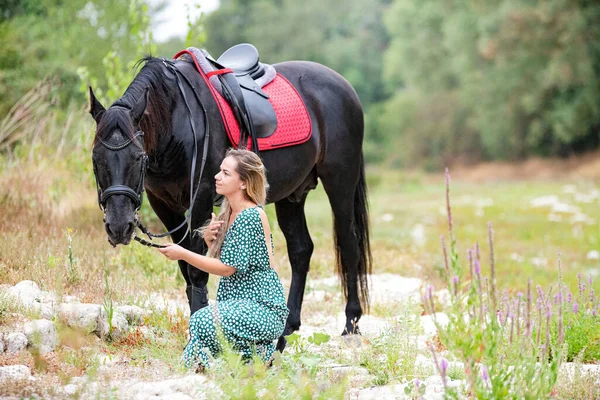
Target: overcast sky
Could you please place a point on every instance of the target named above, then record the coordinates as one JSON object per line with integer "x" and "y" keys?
{"x": 172, "y": 21}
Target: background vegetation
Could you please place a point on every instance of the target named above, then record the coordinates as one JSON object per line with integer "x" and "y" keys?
{"x": 440, "y": 81}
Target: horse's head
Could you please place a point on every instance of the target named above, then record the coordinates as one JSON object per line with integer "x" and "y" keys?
{"x": 119, "y": 165}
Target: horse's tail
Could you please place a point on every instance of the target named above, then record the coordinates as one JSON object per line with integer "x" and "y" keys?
{"x": 361, "y": 232}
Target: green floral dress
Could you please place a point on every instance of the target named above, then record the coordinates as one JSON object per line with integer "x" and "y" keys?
{"x": 250, "y": 310}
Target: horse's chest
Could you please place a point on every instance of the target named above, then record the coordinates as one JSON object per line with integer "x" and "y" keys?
{"x": 174, "y": 193}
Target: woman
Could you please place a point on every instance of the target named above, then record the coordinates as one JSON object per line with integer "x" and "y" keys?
{"x": 250, "y": 310}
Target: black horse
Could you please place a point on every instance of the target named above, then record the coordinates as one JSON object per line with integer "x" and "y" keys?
{"x": 149, "y": 129}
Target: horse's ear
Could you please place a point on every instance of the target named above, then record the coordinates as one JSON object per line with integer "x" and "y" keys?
{"x": 96, "y": 108}
{"x": 139, "y": 108}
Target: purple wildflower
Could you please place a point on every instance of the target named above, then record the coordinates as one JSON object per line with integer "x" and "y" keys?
{"x": 443, "y": 367}
{"x": 540, "y": 292}
{"x": 477, "y": 267}
{"x": 569, "y": 297}
{"x": 484, "y": 373}
{"x": 575, "y": 308}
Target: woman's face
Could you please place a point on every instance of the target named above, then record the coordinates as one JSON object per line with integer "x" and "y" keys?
{"x": 228, "y": 180}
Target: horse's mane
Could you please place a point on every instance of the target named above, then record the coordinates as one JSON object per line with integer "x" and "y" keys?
{"x": 157, "y": 118}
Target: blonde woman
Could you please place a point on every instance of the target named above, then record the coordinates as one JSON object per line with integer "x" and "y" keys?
{"x": 251, "y": 309}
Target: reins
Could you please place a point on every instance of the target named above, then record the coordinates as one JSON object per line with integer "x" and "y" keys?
{"x": 137, "y": 196}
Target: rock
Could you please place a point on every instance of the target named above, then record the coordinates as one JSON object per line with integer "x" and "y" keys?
{"x": 188, "y": 387}
{"x": 593, "y": 255}
{"x": 1, "y": 346}
{"x": 42, "y": 334}
{"x": 70, "y": 299}
{"x": 15, "y": 342}
{"x": 159, "y": 304}
{"x": 70, "y": 389}
{"x": 135, "y": 315}
{"x": 81, "y": 316}
{"x": 119, "y": 325}
{"x": 27, "y": 293}
{"x": 391, "y": 287}
{"x": 428, "y": 323}
{"x": 418, "y": 234}
{"x": 389, "y": 392}
{"x": 14, "y": 372}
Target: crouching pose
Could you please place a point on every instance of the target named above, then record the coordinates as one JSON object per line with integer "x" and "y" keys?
{"x": 250, "y": 310}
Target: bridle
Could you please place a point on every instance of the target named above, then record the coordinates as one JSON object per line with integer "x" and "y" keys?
{"x": 137, "y": 195}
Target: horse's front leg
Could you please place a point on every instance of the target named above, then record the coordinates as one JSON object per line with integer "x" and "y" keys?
{"x": 197, "y": 291}
{"x": 292, "y": 222}
{"x": 195, "y": 279}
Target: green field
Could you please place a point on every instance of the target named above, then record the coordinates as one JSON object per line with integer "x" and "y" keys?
{"x": 53, "y": 234}
{"x": 408, "y": 217}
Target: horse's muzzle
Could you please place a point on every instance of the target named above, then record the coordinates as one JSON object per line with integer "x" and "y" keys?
{"x": 120, "y": 233}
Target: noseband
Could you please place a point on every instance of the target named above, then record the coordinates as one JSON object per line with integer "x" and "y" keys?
{"x": 137, "y": 195}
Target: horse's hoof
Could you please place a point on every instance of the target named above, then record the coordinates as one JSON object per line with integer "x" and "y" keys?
{"x": 281, "y": 344}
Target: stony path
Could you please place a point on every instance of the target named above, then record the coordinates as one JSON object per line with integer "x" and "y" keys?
{"x": 118, "y": 378}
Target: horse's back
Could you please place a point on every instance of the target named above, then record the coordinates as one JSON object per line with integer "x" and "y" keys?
{"x": 334, "y": 106}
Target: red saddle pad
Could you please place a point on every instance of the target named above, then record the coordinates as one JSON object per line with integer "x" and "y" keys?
{"x": 293, "y": 120}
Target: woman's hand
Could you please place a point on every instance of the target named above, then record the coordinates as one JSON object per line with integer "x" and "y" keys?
{"x": 173, "y": 251}
{"x": 210, "y": 234}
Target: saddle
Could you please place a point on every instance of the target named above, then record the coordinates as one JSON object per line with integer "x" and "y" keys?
{"x": 238, "y": 68}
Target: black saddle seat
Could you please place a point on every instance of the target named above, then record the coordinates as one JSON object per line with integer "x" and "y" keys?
{"x": 243, "y": 60}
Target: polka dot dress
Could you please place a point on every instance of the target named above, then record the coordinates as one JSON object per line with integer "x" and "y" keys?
{"x": 250, "y": 311}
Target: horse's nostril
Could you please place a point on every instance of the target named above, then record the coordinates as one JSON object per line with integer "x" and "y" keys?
{"x": 130, "y": 229}
{"x": 107, "y": 227}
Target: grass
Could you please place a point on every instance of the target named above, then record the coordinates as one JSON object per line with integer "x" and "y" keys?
{"x": 49, "y": 212}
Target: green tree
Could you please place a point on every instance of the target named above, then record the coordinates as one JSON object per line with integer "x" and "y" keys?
{"x": 42, "y": 38}
{"x": 521, "y": 76}
{"x": 347, "y": 36}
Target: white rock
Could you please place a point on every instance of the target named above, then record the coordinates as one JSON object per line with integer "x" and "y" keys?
{"x": 27, "y": 293}
{"x": 539, "y": 261}
{"x": 119, "y": 325}
{"x": 544, "y": 201}
{"x": 565, "y": 208}
{"x": 70, "y": 389}
{"x": 389, "y": 392}
{"x": 14, "y": 372}
{"x": 391, "y": 287}
{"x": 81, "y": 316}
{"x": 428, "y": 324}
{"x": 15, "y": 342}
{"x": 1, "y": 346}
{"x": 135, "y": 315}
{"x": 387, "y": 217}
{"x": 418, "y": 234}
{"x": 42, "y": 334}
{"x": 70, "y": 299}
{"x": 188, "y": 387}
{"x": 158, "y": 303}
{"x": 593, "y": 255}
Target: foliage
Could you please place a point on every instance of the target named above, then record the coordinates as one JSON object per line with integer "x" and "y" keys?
{"x": 345, "y": 35}
{"x": 522, "y": 76}
{"x": 581, "y": 324}
{"x": 289, "y": 377}
{"x": 504, "y": 344}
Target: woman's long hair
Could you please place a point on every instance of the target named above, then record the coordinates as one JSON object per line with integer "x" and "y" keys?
{"x": 252, "y": 173}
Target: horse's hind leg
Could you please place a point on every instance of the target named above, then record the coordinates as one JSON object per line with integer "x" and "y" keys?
{"x": 292, "y": 221}
{"x": 341, "y": 191}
